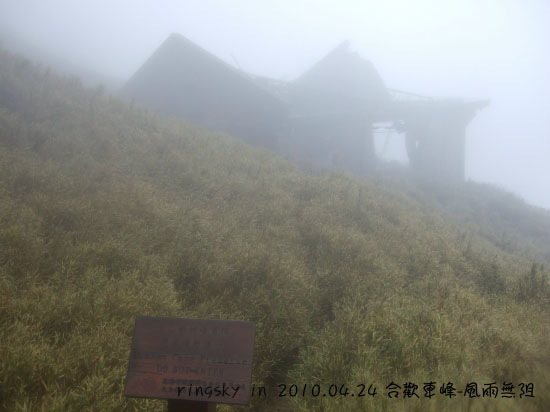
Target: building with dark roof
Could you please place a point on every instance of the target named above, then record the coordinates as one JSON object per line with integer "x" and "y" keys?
{"x": 323, "y": 119}
{"x": 333, "y": 106}
{"x": 182, "y": 79}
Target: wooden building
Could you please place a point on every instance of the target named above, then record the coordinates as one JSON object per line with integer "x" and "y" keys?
{"x": 322, "y": 120}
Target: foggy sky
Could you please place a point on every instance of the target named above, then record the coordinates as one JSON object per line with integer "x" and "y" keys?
{"x": 495, "y": 49}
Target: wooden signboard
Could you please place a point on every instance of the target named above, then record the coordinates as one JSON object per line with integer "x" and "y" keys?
{"x": 191, "y": 360}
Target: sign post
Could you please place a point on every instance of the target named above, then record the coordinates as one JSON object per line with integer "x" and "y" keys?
{"x": 191, "y": 406}
{"x": 192, "y": 363}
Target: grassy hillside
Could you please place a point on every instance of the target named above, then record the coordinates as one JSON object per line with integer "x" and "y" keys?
{"x": 107, "y": 212}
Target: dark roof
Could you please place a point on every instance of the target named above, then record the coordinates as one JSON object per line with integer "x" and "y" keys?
{"x": 182, "y": 79}
{"x": 342, "y": 80}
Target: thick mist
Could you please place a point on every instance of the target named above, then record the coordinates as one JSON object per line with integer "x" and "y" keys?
{"x": 495, "y": 50}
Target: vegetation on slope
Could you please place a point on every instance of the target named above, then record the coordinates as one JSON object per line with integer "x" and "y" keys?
{"x": 107, "y": 212}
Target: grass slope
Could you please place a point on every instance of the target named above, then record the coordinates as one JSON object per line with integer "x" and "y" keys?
{"x": 107, "y": 212}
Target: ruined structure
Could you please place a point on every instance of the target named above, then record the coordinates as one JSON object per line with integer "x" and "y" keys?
{"x": 435, "y": 134}
{"x": 323, "y": 119}
{"x": 333, "y": 107}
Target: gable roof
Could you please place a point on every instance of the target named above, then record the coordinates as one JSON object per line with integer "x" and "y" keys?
{"x": 182, "y": 79}
{"x": 342, "y": 79}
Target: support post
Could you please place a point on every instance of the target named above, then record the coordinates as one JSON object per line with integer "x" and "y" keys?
{"x": 175, "y": 405}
